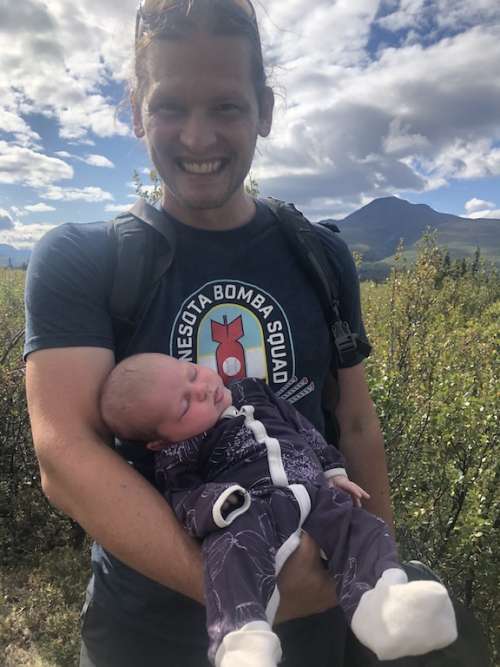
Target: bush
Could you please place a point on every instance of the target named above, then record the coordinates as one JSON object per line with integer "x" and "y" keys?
{"x": 27, "y": 522}
{"x": 433, "y": 378}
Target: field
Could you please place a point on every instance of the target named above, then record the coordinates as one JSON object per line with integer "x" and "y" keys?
{"x": 434, "y": 379}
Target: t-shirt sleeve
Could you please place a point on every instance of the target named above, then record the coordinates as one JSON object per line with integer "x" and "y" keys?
{"x": 67, "y": 286}
{"x": 348, "y": 286}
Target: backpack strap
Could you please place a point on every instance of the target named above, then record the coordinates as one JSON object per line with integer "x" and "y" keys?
{"x": 144, "y": 244}
{"x": 310, "y": 252}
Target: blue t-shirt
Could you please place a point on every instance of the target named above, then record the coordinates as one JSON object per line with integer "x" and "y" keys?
{"x": 236, "y": 300}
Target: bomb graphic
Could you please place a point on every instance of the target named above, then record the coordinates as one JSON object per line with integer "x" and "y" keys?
{"x": 230, "y": 354}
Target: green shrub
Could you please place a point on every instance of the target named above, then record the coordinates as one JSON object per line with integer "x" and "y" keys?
{"x": 27, "y": 522}
{"x": 434, "y": 379}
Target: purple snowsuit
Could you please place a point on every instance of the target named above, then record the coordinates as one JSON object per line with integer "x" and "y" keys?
{"x": 278, "y": 464}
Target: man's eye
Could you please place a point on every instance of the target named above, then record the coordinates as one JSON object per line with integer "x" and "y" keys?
{"x": 167, "y": 110}
{"x": 228, "y": 108}
{"x": 194, "y": 373}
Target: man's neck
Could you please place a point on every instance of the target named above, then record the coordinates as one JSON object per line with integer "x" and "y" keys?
{"x": 236, "y": 212}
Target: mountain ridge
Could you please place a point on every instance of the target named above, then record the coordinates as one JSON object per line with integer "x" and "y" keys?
{"x": 376, "y": 230}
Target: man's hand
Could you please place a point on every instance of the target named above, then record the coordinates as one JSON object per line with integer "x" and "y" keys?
{"x": 304, "y": 583}
{"x": 356, "y": 492}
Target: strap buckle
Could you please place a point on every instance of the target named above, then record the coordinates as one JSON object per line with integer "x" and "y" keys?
{"x": 344, "y": 340}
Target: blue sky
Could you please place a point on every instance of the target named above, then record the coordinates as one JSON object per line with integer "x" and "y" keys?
{"x": 375, "y": 98}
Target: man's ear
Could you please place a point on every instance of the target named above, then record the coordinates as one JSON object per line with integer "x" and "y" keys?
{"x": 266, "y": 107}
{"x": 136, "y": 116}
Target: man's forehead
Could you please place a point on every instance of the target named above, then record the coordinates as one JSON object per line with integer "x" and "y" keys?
{"x": 202, "y": 54}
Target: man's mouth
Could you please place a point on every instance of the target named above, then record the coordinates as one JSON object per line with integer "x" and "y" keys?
{"x": 201, "y": 167}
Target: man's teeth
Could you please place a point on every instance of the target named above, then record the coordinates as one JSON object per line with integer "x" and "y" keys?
{"x": 201, "y": 167}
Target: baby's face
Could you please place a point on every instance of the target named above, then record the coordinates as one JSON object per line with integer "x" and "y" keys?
{"x": 193, "y": 398}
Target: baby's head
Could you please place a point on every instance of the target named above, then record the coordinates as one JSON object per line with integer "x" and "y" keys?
{"x": 156, "y": 397}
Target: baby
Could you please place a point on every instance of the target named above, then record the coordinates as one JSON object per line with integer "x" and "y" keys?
{"x": 245, "y": 472}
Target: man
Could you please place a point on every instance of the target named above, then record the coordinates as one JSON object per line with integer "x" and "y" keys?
{"x": 234, "y": 298}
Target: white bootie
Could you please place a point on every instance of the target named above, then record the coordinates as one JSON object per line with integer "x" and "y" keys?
{"x": 397, "y": 619}
{"x": 253, "y": 645}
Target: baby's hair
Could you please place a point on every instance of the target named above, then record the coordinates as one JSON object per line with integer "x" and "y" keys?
{"x": 123, "y": 397}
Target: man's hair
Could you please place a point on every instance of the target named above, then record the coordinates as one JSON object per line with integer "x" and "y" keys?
{"x": 163, "y": 19}
{"x": 122, "y": 401}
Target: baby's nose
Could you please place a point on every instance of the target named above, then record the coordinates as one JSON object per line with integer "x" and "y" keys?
{"x": 202, "y": 391}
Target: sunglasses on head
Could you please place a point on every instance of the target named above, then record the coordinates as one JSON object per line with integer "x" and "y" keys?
{"x": 145, "y": 21}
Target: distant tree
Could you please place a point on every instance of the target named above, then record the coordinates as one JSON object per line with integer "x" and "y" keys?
{"x": 447, "y": 263}
{"x": 151, "y": 193}
{"x": 476, "y": 261}
{"x": 252, "y": 186}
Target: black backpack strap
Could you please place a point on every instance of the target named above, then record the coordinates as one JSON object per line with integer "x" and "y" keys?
{"x": 310, "y": 252}
{"x": 144, "y": 250}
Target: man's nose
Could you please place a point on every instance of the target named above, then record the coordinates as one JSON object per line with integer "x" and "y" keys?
{"x": 198, "y": 132}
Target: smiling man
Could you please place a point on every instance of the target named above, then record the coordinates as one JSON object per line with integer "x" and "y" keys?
{"x": 201, "y": 116}
{"x": 234, "y": 299}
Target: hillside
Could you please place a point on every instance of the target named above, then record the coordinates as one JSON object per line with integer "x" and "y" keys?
{"x": 376, "y": 230}
{"x": 15, "y": 256}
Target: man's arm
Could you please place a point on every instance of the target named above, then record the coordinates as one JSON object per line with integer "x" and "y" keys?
{"x": 88, "y": 481}
{"x": 361, "y": 441}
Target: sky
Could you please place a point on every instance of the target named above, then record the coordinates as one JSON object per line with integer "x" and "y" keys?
{"x": 374, "y": 98}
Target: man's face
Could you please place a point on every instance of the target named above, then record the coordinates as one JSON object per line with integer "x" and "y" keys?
{"x": 201, "y": 118}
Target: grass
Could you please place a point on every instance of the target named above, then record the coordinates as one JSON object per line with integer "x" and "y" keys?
{"x": 39, "y": 609}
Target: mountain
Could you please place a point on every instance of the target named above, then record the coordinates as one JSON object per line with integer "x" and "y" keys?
{"x": 376, "y": 230}
{"x": 13, "y": 256}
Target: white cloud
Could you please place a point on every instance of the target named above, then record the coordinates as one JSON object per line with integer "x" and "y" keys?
{"x": 12, "y": 123}
{"x": 92, "y": 159}
{"x": 18, "y": 212}
{"x": 56, "y": 57}
{"x": 428, "y": 16}
{"x": 99, "y": 161}
{"x": 24, "y": 166}
{"x": 412, "y": 119}
{"x": 6, "y": 221}
{"x": 494, "y": 214}
{"x": 475, "y": 204}
{"x": 24, "y": 236}
{"x": 479, "y": 208}
{"x": 466, "y": 160}
{"x": 116, "y": 208}
{"x": 39, "y": 208}
{"x": 88, "y": 194}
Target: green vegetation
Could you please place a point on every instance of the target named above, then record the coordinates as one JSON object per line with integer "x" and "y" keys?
{"x": 433, "y": 376}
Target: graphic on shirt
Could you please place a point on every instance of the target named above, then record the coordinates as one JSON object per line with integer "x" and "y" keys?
{"x": 237, "y": 330}
{"x": 230, "y": 354}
